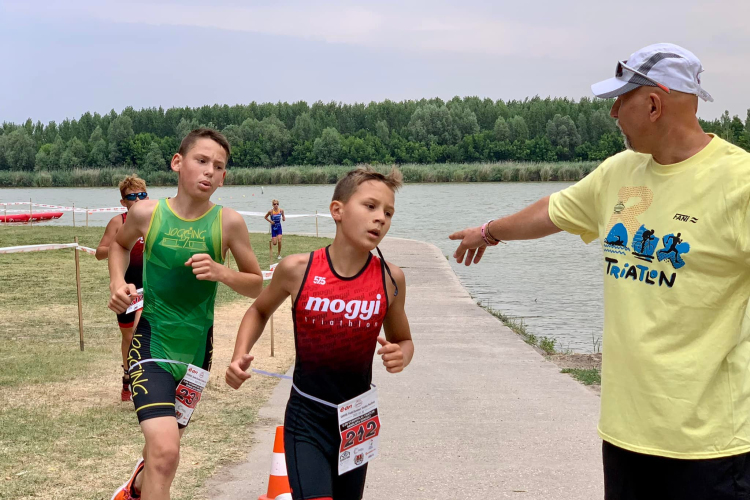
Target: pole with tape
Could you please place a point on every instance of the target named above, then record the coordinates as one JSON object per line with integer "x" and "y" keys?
{"x": 78, "y": 288}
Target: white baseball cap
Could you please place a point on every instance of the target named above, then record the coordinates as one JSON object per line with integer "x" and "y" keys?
{"x": 664, "y": 65}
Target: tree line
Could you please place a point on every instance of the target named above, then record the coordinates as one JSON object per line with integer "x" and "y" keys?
{"x": 273, "y": 134}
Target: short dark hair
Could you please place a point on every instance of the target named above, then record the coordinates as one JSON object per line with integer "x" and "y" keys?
{"x": 204, "y": 133}
{"x": 347, "y": 185}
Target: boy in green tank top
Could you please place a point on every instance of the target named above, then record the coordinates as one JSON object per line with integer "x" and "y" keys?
{"x": 186, "y": 238}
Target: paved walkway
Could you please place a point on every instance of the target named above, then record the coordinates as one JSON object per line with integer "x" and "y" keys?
{"x": 478, "y": 413}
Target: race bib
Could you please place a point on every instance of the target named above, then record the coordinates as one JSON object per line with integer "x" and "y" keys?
{"x": 137, "y": 302}
{"x": 359, "y": 425}
{"x": 189, "y": 392}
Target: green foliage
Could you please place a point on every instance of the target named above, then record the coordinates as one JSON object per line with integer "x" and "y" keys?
{"x": 431, "y": 124}
{"x": 304, "y": 128}
{"x": 590, "y": 376}
{"x": 154, "y": 161}
{"x": 74, "y": 155}
{"x": 19, "y": 150}
{"x": 501, "y": 129}
{"x": 44, "y": 158}
{"x": 427, "y": 131}
{"x": 519, "y": 131}
{"x": 327, "y": 147}
{"x": 547, "y": 345}
{"x": 120, "y": 147}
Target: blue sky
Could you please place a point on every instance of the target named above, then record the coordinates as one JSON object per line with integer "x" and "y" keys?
{"x": 62, "y": 59}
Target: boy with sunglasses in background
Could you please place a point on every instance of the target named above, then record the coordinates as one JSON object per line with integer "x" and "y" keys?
{"x": 132, "y": 190}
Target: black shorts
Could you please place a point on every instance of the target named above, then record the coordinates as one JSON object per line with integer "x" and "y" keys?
{"x": 635, "y": 476}
{"x": 153, "y": 387}
{"x": 133, "y": 275}
{"x": 311, "y": 445}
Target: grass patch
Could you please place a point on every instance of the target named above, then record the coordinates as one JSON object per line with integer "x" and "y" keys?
{"x": 546, "y": 344}
{"x": 63, "y": 431}
{"x": 585, "y": 376}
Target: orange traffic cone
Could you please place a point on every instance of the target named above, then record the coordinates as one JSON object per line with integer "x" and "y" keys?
{"x": 278, "y": 482}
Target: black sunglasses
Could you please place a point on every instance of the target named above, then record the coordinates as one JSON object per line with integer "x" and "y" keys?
{"x": 133, "y": 196}
{"x": 623, "y": 65}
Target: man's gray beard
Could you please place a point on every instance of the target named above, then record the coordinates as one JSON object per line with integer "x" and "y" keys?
{"x": 624, "y": 137}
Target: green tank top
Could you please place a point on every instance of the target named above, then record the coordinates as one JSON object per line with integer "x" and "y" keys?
{"x": 178, "y": 306}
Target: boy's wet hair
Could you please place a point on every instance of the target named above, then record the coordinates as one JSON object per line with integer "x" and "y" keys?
{"x": 204, "y": 133}
{"x": 132, "y": 183}
{"x": 347, "y": 185}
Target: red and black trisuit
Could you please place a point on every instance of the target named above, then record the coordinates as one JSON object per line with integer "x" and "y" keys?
{"x": 336, "y": 323}
{"x": 134, "y": 275}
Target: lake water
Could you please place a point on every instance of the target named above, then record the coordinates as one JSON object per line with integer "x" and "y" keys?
{"x": 554, "y": 284}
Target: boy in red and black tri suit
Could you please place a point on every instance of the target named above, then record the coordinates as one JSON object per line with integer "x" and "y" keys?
{"x": 342, "y": 296}
{"x": 132, "y": 190}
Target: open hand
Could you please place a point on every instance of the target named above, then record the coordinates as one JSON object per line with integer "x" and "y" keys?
{"x": 471, "y": 241}
{"x": 205, "y": 268}
{"x": 238, "y": 371}
{"x": 393, "y": 358}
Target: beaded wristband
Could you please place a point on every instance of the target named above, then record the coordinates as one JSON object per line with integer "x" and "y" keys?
{"x": 485, "y": 238}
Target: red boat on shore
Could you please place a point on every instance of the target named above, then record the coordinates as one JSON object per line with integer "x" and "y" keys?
{"x": 34, "y": 217}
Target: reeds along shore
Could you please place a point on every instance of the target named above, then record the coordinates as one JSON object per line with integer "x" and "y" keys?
{"x": 329, "y": 174}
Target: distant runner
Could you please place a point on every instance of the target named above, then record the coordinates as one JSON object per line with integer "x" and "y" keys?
{"x": 276, "y": 215}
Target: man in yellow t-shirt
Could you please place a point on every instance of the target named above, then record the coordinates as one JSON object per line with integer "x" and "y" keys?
{"x": 671, "y": 215}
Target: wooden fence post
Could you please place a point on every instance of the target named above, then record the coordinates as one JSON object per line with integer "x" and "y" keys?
{"x": 272, "y": 335}
{"x": 78, "y": 288}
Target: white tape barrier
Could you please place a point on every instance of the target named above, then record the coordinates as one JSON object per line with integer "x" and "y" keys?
{"x": 48, "y": 246}
{"x": 79, "y": 210}
{"x": 267, "y": 275}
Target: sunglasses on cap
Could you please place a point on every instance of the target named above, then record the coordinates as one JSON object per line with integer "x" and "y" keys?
{"x": 623, "y": 64}
{"x": 133, "y": 196}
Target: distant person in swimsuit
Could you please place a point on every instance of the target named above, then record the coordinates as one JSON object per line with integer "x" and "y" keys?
{"x": 276, "y": 215}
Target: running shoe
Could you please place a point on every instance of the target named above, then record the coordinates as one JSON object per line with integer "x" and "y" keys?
{"x": 278, "y": 257}
{"x": 126, "y": 394}
{"x": 125, "y": 492}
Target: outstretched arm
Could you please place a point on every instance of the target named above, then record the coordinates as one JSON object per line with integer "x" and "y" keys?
{"x": 530, "y": 223}
{"x": 286, "y": 277}
{"x": 397, "y": 348}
